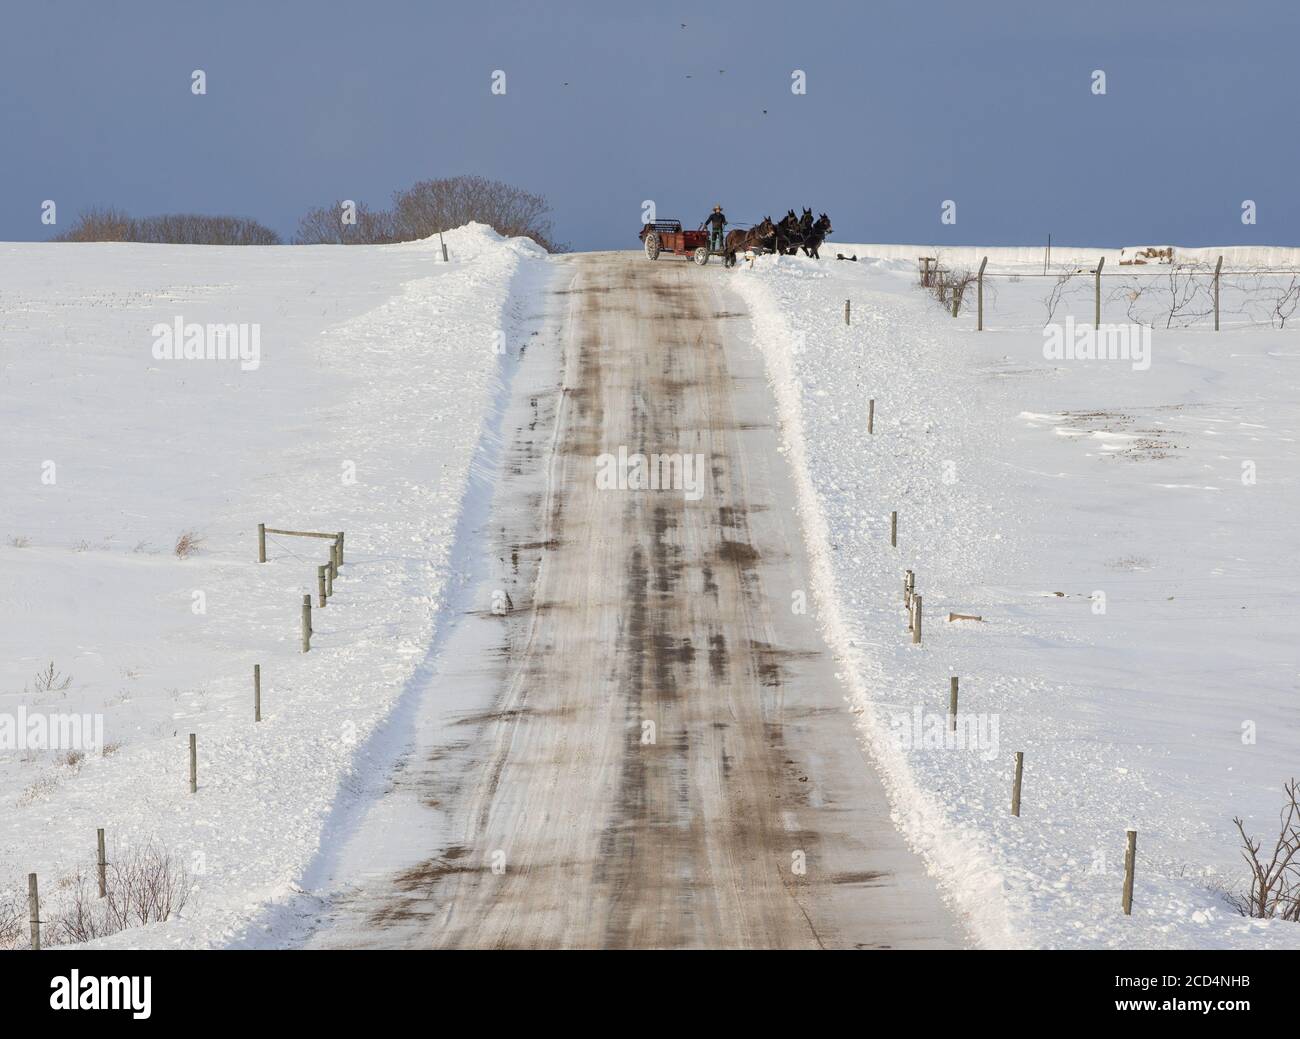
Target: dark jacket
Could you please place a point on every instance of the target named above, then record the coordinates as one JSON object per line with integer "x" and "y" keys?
{"x": 716, "y": 220}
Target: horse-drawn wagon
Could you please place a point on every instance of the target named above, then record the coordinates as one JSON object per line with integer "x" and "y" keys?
{"x": 667, "y": 236}
{"x": 785, "y": 237}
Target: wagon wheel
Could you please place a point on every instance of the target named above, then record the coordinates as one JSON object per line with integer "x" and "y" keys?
{"x": 651, "y": 246}
{"x": 701, "y": 256}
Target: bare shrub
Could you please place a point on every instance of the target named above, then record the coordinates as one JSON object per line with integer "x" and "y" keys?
{"x": 50, "y": 680}
{"x": 1191, "y": 295}
{"x": 11, "y": 921}
{"x": 38, "y": 789}
{"x": 73, "y": 758}
{"x": 113, "y": 225}
{"x": 949, "y": 288}
{"x": 1287, "y": 302}
{"x": 144, "y": 884}
{"x": 187, "y": 544}
{"x": 82, "y": 918}
{"x": 98, "y": 225}
{"x": 324, "y": 226}
{"x": 111, "y": 747}
{"x": 1057, "y": 294}
{"x": 20, "y": 541}
{"x": 1275, "y": 884}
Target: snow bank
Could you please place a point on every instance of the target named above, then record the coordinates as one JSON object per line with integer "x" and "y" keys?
{"x": 380, "y": 373}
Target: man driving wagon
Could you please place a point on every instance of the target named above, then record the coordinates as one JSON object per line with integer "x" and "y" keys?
{"x": 715, "y": 221}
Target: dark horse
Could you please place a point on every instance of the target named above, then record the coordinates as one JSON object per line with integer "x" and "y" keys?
{"x": 805, "y": 229}
{"x": 787, "y": 237}
{"x": 817, "y": 234}
{"x": 754, "y": 237}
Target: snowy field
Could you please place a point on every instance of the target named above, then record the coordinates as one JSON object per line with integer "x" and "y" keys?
{"x": 369, "y": 407}
{"x": 1126, "y": 533}
{"x": 1127, "y": 536}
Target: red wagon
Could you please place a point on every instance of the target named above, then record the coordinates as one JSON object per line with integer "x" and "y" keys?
{"x": 667, "y": 236}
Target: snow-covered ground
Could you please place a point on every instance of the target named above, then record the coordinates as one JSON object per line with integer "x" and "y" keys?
{"x": 1128, "y": 537}
{"x": 371, "y": 407}
{"x": 1126, "y": 534}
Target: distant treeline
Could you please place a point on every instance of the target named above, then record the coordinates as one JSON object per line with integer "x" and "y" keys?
{"x": 113, "y": 225}
{"x": 416, "y": 212}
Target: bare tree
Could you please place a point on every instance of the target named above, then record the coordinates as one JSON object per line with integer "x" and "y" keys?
{"x": 436, "y": 205}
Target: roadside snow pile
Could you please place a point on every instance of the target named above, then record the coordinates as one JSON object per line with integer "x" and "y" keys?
{"x": 1127, "y": 536}
{"x": 369, "y": 379}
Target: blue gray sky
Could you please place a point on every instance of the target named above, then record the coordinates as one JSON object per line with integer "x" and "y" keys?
{"x": 608, "y": 104}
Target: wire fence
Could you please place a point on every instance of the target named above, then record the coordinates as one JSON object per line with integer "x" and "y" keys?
{"x": 1163, "y": 295}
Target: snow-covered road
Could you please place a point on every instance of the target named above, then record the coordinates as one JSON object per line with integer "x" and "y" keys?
{"x": 670, "y": 762}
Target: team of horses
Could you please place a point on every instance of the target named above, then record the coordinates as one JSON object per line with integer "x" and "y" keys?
{"x": 785, "y": 237}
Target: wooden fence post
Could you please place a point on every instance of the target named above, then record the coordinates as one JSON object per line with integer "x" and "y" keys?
{"x": 1130, "y": 864}
{"x": 1097, "y": 315}
{"x": 909, "y": 582}
{"x": 893, "y": 529}
{"x": 261, "y": 542}
{"x": 952, "y": 704}
{"x": 306, "y": 623}
{"x": 330, "y": 571}
{"x": 257, "y": 692}
{"x": 102, "y": 863}
{"x": 846, "y": 311}
{"x": 320, "y": 584}
{"x": 979, "y": 291}
{"x": 34, "y": 910}
{"x": 916, "y": 618}
{"x": 1015, "y": 783}
{"x": 340, "y": 535}
{"x": 871, "y": 415}
{"x": 444, "y": 247}
{"x": 194, "y": 764}
{"x": 1218, "y": 268}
